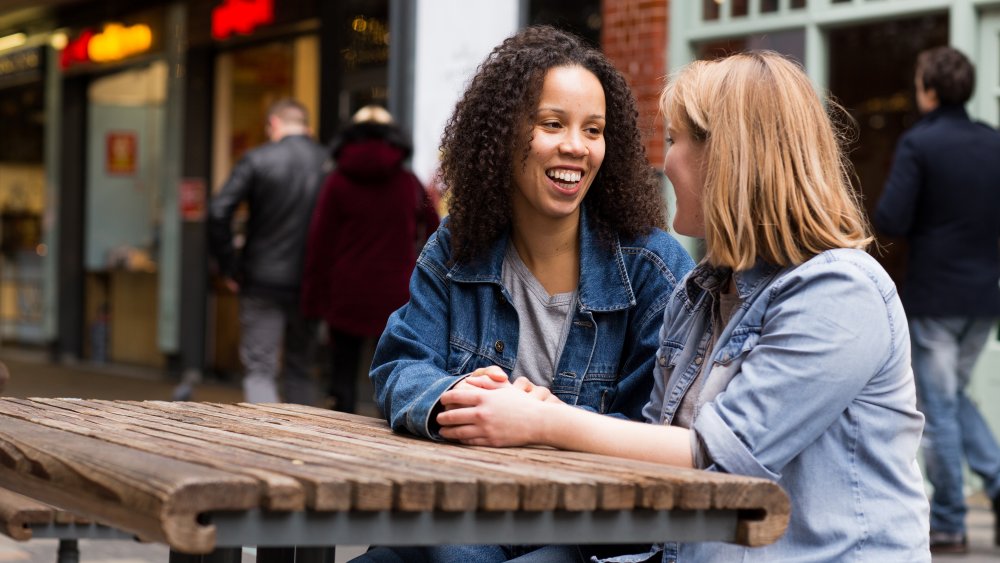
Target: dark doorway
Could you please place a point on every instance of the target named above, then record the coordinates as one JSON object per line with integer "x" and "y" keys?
{"x": 871, "y": 75}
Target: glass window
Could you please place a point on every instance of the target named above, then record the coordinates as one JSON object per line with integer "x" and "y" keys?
{"x": 739, "y": 8}
{"x": 798, "y": 4}
{"x": 768, "y": 6}
{"x": 877, "y": 91}
{"x": 582, "y": 17}
{"x": 791, "y": 43}
{"x": 710, "y": 10}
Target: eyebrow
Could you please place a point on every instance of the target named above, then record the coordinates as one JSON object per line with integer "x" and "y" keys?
{"x": 563, "y": 112}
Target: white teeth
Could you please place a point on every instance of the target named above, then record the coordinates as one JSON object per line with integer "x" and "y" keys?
{"x": 568, "y": 176}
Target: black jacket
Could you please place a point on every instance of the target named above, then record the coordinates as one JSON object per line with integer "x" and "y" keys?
{"x": 943, "y": 195}
{"x": 279, "y": 181}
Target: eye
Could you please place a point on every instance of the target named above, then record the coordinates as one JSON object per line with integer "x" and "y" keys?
{"x": 551, "y": 124}
{"x": 669, "y": 140}
{"x": 594, "y": 131}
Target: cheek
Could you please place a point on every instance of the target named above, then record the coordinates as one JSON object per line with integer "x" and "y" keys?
{"x": 597, "y": 153}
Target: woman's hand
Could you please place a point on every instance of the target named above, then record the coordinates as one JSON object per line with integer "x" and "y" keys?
{"x": 506, "y": 416}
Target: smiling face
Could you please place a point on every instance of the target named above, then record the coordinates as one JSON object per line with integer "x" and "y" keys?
{"x": 684, "y": 166}
{"x": 566, "y": 148}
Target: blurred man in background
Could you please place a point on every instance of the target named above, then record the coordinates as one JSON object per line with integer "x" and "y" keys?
{"x": 279, "y": 181}
{"x": 943, "y": 196}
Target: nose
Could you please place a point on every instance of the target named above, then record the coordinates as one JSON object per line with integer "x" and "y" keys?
{"x": 573, "y": 144}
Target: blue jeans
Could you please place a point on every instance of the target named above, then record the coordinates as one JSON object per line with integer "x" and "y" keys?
{"x": 493, "y": 553}
{"x": 440, "y": 554}
{"x": 944, "y": 351}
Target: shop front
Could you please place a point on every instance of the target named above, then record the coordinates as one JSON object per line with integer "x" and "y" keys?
{"x": 116, "y": 219}
{"x": 22, "y": 190}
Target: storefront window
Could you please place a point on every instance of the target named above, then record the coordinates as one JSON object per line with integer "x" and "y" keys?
{"x": 22, "y": 200}
{"x": 871, "y": 75}
{"x": 791, "y": 43}
{"x": 582, "y": 17}
{"x": 365, "y": 53}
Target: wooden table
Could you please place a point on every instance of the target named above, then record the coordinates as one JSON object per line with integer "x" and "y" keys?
{"x": 200, "y": 476}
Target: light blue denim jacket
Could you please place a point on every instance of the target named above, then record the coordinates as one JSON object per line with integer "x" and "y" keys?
{"x": 818, "y": 397}
{"x": 460, "y": 318}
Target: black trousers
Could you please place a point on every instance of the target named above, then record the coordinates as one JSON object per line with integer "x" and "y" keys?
{"x": 345, "y": 355}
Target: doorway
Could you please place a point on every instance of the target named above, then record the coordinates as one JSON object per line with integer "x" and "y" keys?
{"x": 871, "y": 76}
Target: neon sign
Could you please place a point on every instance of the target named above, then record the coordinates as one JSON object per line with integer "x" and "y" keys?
{"x": 241, "y": 16}
{"x": 114, "y": 43}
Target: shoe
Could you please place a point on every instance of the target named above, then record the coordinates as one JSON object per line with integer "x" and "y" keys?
{"x": 949, "y": 542}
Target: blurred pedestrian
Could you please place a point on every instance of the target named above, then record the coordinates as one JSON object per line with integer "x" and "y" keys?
{"x": 943, "y": 196}
{"x": 279, "y": 182}
{"x": 371, "y": 217}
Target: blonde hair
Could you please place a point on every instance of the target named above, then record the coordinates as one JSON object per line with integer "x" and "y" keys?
{"x": 777, "y": 185}
{"x": 372, "y": 114}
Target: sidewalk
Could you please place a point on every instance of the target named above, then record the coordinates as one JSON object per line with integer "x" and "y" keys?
{"x": 31, "y": 375}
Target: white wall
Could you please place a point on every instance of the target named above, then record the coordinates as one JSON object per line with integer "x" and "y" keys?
{"x": 452, "y": 38}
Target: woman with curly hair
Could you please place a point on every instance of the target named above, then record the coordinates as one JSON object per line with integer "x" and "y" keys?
{"x": 552, "y": 266}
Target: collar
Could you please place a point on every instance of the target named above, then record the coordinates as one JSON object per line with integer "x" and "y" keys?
{"x": 948, "y": 111}
{"x": 708, "y": 278}
{"x": 604, "y": 282}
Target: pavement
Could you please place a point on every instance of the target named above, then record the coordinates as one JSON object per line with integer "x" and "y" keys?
{"x": 32, "y": 375}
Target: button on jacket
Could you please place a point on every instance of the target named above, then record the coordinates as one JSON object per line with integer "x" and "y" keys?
{"x": 809, "y": 385}
{"x": 460, "y": 318}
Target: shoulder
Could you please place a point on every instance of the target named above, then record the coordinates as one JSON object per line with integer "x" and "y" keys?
{"x": 836, "y": 271}
{"x": 658, "y": 250}
{"x": 436, "y": 254}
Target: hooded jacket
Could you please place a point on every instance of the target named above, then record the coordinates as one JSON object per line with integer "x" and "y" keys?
{"x": 362, "y": 243}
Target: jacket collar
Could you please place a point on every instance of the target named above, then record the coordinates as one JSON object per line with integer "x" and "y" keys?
{"x": 604, "y": 281}
{"x": 950, "y": 111}
{"x": 708, "y": 278}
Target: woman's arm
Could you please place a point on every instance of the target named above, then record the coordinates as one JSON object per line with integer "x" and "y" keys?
{"x": 510, "y": 417}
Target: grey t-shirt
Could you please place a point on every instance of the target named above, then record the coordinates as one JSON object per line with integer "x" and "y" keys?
{"x": 543, "y": 321}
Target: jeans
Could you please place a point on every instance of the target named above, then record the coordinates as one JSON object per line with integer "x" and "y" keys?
{"x": 495, "y": 553}
{"x": 944, "y": 352}
{"x": 267, "y": 326}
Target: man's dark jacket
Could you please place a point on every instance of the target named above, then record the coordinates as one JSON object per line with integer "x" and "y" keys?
{"x": 943, "y": 195}
{"x": 279, "y": 181}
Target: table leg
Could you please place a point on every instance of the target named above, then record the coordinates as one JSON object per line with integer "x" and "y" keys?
{"x": 295, "y": 554}
{"x": 69, "y": 551}
{"x": 220, "y": 555}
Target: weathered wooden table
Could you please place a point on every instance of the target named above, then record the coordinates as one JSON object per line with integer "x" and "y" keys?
{"x": 201, "y": 476}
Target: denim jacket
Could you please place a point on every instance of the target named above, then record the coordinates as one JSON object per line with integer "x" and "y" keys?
{"x": 816, "y": 394}
{"x": 460, "y": 318}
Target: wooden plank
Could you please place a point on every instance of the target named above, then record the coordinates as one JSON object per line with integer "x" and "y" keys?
{"x": 154, "y": 497}
{"x": 435, "y": 487}
{"x": 280, "y": 492}
{"x": 574, "y": 491}
{"x": 370, "y": 489}
{"x": 764, "y": 506}
{"x": 17, "y": 512}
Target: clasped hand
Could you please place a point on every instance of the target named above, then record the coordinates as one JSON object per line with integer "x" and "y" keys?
{"x": 486, "y": 409}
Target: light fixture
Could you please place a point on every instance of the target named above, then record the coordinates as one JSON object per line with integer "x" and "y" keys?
{"x": 12, "y": 41}
{"x": 59, "y": 40}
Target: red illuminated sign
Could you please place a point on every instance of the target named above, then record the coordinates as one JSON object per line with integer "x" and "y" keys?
{"x": 76, "y": 50}
{"x": 241, "y": 16}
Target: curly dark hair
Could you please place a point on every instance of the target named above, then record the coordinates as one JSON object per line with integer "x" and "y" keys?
{"x": 948, "y": 72}
{"x": 492, "y": 120}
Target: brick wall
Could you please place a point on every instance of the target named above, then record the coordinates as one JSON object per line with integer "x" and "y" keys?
{"x": 634, "y": 37}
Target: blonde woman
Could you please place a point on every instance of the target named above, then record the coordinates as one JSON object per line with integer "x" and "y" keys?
{"x": 783, "y": 355}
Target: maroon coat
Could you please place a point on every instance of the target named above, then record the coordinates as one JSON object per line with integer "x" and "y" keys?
{"x": 362, "y": 243}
